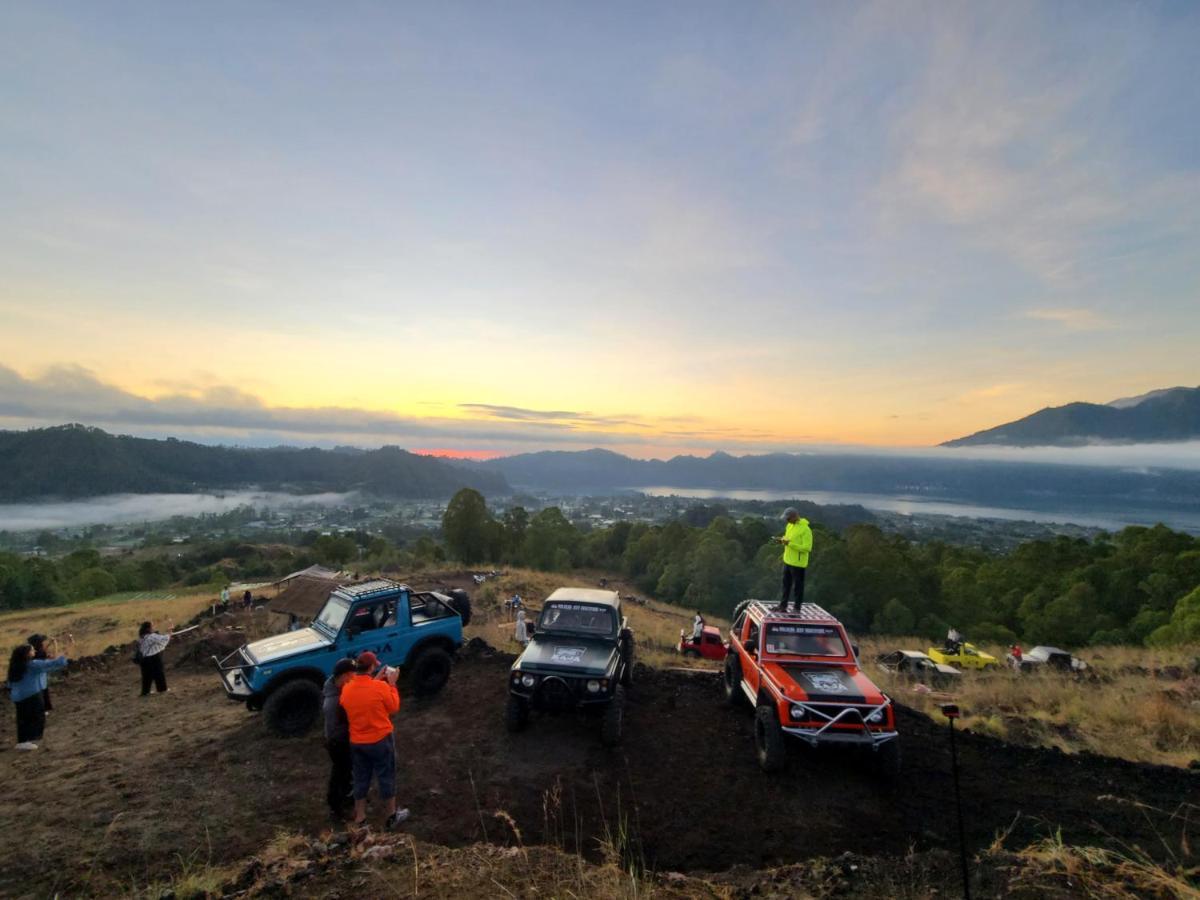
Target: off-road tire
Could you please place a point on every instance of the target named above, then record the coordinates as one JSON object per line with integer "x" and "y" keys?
{"x": 769, "y": 740}
{"x": 430, "y": 671}
{"x": 460, "y": 600}
{"x": 732, "y": 679}
{"x": 293, "y": 707}
{"x": 737, "y": 610}
{"x": 614, "y": 715}
{"x": 689, "y": 653}
{"x": 887, "y": 760}
{"x": 627, "y": 675}
{"x": 516, "y": 713}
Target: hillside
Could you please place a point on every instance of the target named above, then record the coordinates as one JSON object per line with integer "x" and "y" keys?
{"x": 77, "y": 461}
{"x": 1172, "y": 414}
{"x": 937, "y": 476}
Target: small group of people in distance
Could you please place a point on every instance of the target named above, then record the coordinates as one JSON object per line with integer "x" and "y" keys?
{"x": 359, "y": 699}
{"x": 223, "y": 604}
{"x": 28, "y": 685}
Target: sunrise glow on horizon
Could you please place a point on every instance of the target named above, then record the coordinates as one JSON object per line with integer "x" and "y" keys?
{"x": 652, "y": 229}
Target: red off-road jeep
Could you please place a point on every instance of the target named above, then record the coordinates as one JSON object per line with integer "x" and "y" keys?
{"x": 711, "y": 645}
{"x": 800, "y": 673}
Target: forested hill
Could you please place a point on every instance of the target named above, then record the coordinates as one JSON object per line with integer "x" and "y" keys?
{"x": 941, "y": 475}
{"x": 1167, "y": 415}
{"x": 76, "y": 461}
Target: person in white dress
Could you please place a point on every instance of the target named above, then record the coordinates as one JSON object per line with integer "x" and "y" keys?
{"x": 521, "y": 633}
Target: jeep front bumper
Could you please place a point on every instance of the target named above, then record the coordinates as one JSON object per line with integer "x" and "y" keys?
{"x": 232, "y": 679}
{"x": 847, "y": 725}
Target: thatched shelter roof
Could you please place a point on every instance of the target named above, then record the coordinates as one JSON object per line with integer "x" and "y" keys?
{"x": 304, "y": 595}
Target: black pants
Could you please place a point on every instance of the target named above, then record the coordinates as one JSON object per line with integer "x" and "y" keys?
{"x": 31, "y": 718}
{"x": 340, "y": 778}
{"x": 793, "y": 582}
{"x": 46, "y": 700}
{"x": 152, "y": 671}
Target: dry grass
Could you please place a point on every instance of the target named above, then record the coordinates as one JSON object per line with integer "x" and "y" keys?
{"x": 1142, "y": 705}
{"x": 98, "y": 624}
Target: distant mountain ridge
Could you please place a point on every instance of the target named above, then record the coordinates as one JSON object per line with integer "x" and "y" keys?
{"x": 1170, "y": 414}
{"x": 71, "y": 461}
{"x": 939, "y": 476}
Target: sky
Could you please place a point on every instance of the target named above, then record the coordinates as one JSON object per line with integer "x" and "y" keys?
{"x": 680, "y": 226}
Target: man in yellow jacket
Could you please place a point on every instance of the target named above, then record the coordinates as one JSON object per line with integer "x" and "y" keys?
{"x": 797, "y": 543}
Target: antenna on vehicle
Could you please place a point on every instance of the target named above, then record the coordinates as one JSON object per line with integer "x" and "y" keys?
{"x": 950, "y": 711}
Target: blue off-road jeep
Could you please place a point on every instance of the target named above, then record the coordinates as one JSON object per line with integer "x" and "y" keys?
{"x": 283, "y": 675}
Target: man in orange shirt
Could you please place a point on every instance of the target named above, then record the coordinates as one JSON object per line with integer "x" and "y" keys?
{"x": 370, "y": 702}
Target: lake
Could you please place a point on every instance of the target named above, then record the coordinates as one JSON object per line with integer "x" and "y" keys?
{"x": 1107, "y": 519}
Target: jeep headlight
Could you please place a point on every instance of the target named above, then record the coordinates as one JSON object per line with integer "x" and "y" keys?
{"x": 797, "y": 712}
{"x": 593, "y": 686}
{"x": 876, "y": 716}
{"x": 528, "y": 680}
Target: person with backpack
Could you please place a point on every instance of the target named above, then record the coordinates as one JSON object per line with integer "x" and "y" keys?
{"x": 26, "y": 681}
{"x": 150, "y": 647}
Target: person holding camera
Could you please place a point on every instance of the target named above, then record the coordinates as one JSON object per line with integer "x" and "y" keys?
{"x": 370, "y": 702}
{"x": 150, "y": 647}
{"x": 26, "y": 682}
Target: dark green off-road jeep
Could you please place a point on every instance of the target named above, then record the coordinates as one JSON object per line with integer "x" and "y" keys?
{"x": 580, "y": 657}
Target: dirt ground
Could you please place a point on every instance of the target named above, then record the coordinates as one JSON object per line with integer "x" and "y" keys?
{"x": 128, "y": 790}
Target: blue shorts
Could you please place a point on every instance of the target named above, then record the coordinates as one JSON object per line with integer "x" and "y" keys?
{"x": 377, "y": 760}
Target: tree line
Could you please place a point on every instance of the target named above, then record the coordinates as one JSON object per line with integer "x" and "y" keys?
{"x": 1138, "y": 586}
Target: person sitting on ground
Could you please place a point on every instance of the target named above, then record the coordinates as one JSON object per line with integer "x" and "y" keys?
{"x": 370, "y": 702}
{"x": 697, "y": 628}
{"x": 42, "y": 647}
{"x": 26, "y": 681}
{"x": 337, "y": 739}
{"x": 150, "y": 647}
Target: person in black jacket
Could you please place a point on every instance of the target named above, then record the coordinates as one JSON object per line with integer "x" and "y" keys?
{"x": 337, "y": 739}
{"x": 40, "y": 651}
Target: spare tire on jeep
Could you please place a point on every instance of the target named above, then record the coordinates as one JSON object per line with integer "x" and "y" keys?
{"x": 293, "y": 707}
{"x": 460, "y": 600}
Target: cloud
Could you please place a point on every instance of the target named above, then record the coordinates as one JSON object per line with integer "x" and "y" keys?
{"x": 220, "y": 413}
{"x": 1075, "y": 319}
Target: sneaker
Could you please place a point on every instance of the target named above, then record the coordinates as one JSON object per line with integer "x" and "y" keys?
{"x": 30, "y": 745}
{"x": 395, "y": 819}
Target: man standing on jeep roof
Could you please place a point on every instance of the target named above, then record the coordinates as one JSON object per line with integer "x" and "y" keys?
{"x": 797, "y": 543}
{"x": 370, "y": 703}
{"x": 337, "y": 737}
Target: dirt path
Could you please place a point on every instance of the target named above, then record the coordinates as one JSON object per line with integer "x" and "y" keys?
{"x": 127, "y": 789}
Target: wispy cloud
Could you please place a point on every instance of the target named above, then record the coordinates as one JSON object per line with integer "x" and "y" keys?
{"x": 1072, "y": 319}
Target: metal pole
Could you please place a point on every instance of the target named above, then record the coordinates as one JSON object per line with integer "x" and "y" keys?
{"x": 962, "y": 837}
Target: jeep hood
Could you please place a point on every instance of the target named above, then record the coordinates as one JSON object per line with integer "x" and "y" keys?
{"x": 829, "y": 684}
{"x": 567, "y": 654}
{"x": 290, "y": 643}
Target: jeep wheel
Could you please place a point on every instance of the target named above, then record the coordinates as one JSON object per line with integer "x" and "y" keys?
{"x": 516, "y": 713}
{"x": 733, "y": 680}
{"x": 461, "y": 601}
{"x": 689, "y": 653}
{"x": 737, "y": 610}
{"x": 627, "y": 675}
{"x": 293, "y": 707}
{"x": 431, "y": 671}
{"x": 769, "y": 740}
{"x": 887, "y": 760}
{"x": 610, "y": 728}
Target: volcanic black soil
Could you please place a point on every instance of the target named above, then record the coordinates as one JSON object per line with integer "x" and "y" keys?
{"x": 126, "y": 788}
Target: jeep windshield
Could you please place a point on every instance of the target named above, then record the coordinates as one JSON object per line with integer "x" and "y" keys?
{"x": 804, "y": 640}
{"x": 578, "y": 618}
{"x": 332, "y": 615}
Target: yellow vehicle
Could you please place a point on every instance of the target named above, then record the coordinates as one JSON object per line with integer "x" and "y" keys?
{"x": 967, "y": 656}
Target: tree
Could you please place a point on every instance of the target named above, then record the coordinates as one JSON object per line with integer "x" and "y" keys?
{"x": 465, "y": 526}
{"x": 548, "y": 532}
{"x": 894, "y": 618}
{"x": 92, "y": 583}
{"x": 337, "y": 550}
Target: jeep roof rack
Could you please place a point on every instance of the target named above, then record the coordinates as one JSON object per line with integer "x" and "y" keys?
{"x": 370, "y": 588}
{"x": 808, "y": 612}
